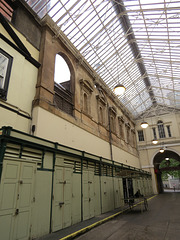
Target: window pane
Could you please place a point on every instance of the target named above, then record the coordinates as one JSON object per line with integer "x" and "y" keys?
{"x": 3, "y": 69}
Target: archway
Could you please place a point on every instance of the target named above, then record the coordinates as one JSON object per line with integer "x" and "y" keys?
{"x": 159, "y": 157}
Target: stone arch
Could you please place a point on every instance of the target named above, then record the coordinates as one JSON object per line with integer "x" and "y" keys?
{"x": 166, "y": 149}
{"x": 157, "y": 159}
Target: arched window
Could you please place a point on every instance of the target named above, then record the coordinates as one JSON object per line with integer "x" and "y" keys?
{"x": 62, "y": 73}
{"x": 161, "y": 129}
{"x": 63, "y": 89}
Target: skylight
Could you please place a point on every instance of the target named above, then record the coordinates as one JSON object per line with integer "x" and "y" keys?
{"x": 96, "y": 30}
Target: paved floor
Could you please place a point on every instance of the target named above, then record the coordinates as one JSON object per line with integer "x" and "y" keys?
{"x": 160, "y": 222}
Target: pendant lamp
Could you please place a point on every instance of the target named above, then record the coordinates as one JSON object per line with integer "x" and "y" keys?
{"x": 144, "y": 124}
{"x": 161, "y": 150}
{"x": 119, "y": 89}
{"x": 154, "y": 141}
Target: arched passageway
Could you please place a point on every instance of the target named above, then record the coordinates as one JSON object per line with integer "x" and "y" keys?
{"x": 167, "y": 155}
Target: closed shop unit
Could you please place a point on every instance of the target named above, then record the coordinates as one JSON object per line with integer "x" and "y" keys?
{"x": 46, "y": 187}
{"x": 88, "y": 194}
{"x": 107, "y": 193}
{"x": 62, "y": 198}
{"x": 16, "y": 199}
{"x": 118, "y": 188}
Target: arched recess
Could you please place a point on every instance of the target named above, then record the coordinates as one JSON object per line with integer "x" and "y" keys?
{"x": 64, "y": 83}
{"x": 158, "y": 158}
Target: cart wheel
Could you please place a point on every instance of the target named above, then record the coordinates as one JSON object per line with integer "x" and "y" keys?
{"x": 145, "y": 204}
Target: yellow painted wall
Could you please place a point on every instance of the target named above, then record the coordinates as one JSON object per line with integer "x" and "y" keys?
{"x": 171, "y": 119}
{"x": 21, "y": 90}
{"x": 125, "y": 157}
{"x": 33, "y": 51}
{"x": 147, "y": 150}
{"x": 51, "y": 127}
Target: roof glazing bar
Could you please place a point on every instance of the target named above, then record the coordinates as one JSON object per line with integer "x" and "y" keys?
{"x": 126, "y": 25}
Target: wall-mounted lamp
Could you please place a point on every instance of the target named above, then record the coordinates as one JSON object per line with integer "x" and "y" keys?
{"x": 119, "y": 89}
{"x": 167, "y": 159}
{"x": 154, "y": 141}
{"x": 144, "y": 124}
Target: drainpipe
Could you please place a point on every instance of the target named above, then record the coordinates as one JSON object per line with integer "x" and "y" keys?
{"x": 52, "y": 186}
{"x": 100, "y": 175}
{"x": 82, "y": 185}
{"x": 111, "y": 151}
{"x": 110, "y": 134}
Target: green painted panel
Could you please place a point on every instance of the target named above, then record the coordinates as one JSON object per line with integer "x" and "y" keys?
{"x": 41, "y": 204}
{"x": 5, "y": 226}
{"x": 97, "y": 198}
{"x": 76, "y": 198}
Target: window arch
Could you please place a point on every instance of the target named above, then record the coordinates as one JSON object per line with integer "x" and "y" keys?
{"x": 161, "y": 129}
{"x": 63, "y": 84}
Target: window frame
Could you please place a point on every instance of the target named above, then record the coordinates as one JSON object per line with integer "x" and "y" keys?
{"x": 154, "y": 133}
{"x": 142, "y": 136}
{"x": 161, "y": 129}
{"x": 169, "y": 131}
{"x": 4, "y": 89}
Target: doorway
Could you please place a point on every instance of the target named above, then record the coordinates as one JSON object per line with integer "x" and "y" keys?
{"x": 167, "y": 171}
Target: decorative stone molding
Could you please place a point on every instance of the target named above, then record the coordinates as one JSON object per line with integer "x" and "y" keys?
{"x": 121, "y": 119}
{"x": 85, "y": 84}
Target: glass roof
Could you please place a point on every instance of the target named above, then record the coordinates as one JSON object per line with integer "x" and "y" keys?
{"x": 132, "y": 42}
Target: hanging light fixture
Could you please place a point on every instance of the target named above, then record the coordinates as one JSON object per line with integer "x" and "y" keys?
{"x": 144, "y": 124}
{"x": 161, "y": 150}
{"x": 167, "y": 159}
{"x": 119, "y": 89}
{"x": 154, "y": 141}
